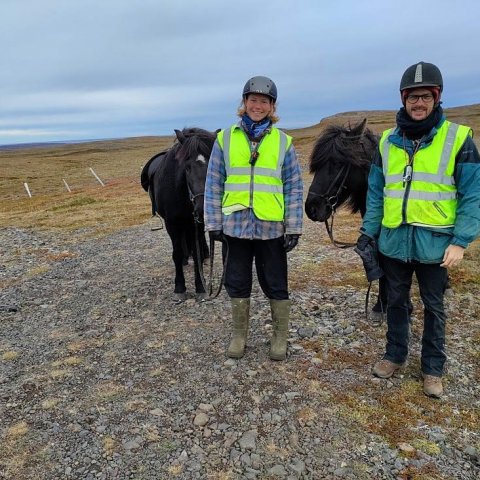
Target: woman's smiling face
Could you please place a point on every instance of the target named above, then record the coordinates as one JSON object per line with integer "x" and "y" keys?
{"x": 258, "y": 106}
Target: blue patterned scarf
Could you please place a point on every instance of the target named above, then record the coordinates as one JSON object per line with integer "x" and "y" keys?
{"x": 255, "y": 130}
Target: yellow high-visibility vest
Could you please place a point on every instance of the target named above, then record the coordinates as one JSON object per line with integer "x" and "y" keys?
{"x": 258, "y": 186}
{"x": 430, "y": 197}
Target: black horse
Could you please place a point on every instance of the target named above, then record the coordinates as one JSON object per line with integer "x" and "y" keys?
{"x": 175, "y": 181}
{"x": 340, "y": 162}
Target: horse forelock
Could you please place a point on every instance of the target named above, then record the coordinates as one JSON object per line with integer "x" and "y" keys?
{"x": 197, "y": 141}
{"x": 337, "y": 145}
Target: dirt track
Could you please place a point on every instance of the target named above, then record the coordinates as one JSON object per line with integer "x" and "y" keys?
{"x": 103, "y": 376}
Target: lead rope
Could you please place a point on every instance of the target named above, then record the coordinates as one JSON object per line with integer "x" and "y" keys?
{"x": 329, "y": 229}
{"x": 367, "y": 298}
{"x": 209, "y": 289}
{"x": 222, "y": 279}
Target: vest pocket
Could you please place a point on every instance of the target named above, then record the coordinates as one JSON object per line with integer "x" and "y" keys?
{"x": 439, "y": 209}
{"x": 280, "y": 204}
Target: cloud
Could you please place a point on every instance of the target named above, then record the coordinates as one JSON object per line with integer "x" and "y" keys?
{"x": 121, "y": 68}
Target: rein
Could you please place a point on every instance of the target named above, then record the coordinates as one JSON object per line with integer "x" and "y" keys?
{"x": 198, "y": 222}
{"x": 332, "y": 201}
{"x": 209, "y": 288}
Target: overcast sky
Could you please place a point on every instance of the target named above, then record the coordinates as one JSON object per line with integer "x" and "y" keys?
{"x": 87, "y": 69}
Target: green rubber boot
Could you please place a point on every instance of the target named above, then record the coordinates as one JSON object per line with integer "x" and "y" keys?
{"x": 280, "y": 316}
{"x": 240, "y": 317}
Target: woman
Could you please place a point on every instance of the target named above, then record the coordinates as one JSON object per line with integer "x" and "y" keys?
{"x": 254, "y": 203}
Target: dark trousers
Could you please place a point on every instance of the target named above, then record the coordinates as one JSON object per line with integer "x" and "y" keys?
{"x": 270, "y": 262}
{"x": 432, "y": 280}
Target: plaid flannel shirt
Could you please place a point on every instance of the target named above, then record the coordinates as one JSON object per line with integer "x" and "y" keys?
{"x": 244, "y": 223}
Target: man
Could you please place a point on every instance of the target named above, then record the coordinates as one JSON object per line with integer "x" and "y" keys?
{"x": 423, "y": 209}
{"x": 254, "y": 204}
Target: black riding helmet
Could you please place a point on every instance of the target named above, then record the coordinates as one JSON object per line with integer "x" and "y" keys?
{"x": 421, "y": 74}
{"x": 262, "y": 85}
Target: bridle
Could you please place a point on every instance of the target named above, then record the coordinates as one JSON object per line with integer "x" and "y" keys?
{"x": 332, "y": 201}
{"x": 192, "y": 199}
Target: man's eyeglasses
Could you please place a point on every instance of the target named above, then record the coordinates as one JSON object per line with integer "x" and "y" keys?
{"x": 426, "y": 97}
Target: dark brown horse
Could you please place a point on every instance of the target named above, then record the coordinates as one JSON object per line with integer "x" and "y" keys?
{"x": 340, "y": 162}
{"x": 175, "y": 181}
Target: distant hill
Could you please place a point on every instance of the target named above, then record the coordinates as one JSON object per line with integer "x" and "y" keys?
{"x": 379, "y": 120}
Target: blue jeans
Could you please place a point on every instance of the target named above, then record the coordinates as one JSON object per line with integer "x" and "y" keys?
{"x": 432, "y": 281}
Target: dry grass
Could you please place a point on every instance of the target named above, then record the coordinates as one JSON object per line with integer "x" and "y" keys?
{"x": 10, "y": 355}
{"x": 90, "y": 208}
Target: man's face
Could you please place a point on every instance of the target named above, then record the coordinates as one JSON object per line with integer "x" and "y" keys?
{"x": 419, "y": 103}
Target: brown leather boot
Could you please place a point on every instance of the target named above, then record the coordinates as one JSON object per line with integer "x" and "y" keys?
{"x": 432, "y": 386}
{"x": 386, "y": 368}
{"x": 240, "y": 320}
{"x": 280, "y": 315}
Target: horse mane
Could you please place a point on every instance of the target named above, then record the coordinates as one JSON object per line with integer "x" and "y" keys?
{"x": 340, "y": 144}
{"x": 196, "y": 141}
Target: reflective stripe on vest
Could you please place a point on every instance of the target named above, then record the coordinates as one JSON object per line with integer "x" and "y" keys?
{"x": 259, "y": 186}
{"x": 430, "y": 197}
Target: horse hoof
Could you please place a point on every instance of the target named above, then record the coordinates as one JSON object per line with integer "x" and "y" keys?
{"x": 376, "y": 318}
{"x": 180, "y": 297}
{"x": 201, "y": 297}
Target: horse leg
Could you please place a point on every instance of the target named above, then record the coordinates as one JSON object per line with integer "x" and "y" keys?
{"x": 197, "y": 236}
{"x": 186, "y": 249}
{"x": 176, "y": 235}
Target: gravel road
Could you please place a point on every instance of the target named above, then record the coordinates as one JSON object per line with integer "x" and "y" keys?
{"x": 104, "y": 376}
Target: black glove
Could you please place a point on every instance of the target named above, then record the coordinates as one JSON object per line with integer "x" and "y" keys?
{"x": 367, "y": 249}
{"x": 362, "y": 242}
{"x": 290, "y": 241}
{"x": 216, "y": 235}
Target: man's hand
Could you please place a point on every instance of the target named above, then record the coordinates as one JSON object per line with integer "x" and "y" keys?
{"x": 216, "y": 235}
{"x": 363, "y": 241}
{"x": 290, "y": 241}
{"x": 367, "y": 250}
{"x": 453, "y": 256}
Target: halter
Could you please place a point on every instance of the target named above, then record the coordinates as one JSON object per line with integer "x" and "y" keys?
{"x": 332, "y": 201}
{"x": 192, "y": 199}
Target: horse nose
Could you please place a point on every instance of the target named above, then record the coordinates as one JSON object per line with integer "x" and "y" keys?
{"x": 316, "y": 211}
{"x": 310, "y": 209}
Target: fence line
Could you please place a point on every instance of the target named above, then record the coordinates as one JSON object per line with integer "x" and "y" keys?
{"x": 22, "y": 188}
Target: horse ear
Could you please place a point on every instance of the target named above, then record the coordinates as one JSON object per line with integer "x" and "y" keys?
{"x": 359, "y": 129}
{"x": 180, "y": 136}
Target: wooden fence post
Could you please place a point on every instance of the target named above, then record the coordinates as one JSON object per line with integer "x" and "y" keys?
{"x": 66, "y": 185}
{"x": 96, "y": 176}
{"x": 25, "y": 184}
